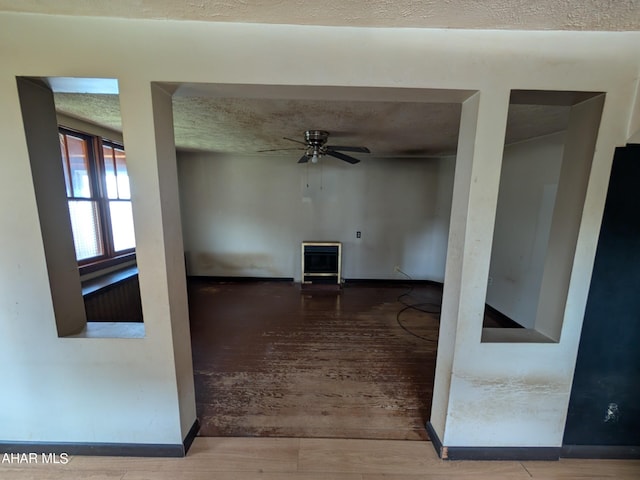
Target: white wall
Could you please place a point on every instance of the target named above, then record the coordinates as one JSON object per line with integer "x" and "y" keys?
{"x": 528, "y": 184}
{"x": 246, "y": 216}
{"x": 119, "y": 390}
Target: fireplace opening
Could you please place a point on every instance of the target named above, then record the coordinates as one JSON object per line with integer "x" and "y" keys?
{"x": 321, "y": 263}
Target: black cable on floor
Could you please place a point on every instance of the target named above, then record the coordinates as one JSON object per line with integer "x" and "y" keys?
{"x": 415, "y": 306}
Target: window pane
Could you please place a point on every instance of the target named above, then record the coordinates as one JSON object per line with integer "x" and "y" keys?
{"x": 122, "y": 225}
{"x": 79, "y": 161}
{"x": 85, "y": 225}
{"x": 65, "y": 166}
{"x": 110, "y": 172}
{"x": 124, "y": 192}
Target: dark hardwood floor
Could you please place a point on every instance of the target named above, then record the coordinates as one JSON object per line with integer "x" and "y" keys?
{"x": 273, "y": 360}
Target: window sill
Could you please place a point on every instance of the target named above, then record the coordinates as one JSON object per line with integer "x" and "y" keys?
{"x": 111, "y": 330}
{"x": 514, "y": 335}
{"x": 107, "y": 280}
{"x": 105, "y": 264}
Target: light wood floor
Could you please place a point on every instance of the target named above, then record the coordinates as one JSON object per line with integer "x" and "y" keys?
{"x": 316, "y": 459}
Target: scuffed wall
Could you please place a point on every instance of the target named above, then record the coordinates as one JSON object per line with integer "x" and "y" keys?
{"x": 246, "y": 216}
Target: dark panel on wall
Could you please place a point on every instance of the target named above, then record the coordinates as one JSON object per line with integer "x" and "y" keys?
{"x": 605, "y": 400}
{"x": 117, "y": 302}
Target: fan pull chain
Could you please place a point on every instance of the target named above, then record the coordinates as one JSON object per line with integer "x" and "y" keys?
{"x": 307, "y": 174}
{"x": 321, "y": 175}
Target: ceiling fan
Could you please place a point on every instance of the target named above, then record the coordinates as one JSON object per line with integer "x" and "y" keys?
{"x": 315, "y": 148}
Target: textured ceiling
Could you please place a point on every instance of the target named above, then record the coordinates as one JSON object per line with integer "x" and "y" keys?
{"x": 601, "y": 15}
{"x": 388, "y": 129}
{"x": 225, "y": 124}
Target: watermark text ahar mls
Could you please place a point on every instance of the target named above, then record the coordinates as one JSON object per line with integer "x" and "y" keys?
{"x": 34, "y": 458}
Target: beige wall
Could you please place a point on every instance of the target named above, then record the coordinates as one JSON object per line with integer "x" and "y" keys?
{"x": 528, "y": 184}
{"x": 40, "y": 127}
{"x": 246, "y": 216}
{"x": 124, "y": 390}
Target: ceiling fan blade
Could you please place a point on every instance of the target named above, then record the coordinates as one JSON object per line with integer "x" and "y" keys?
{"x": 293, "y": 140}
{"x": 278, "y": 149}
{"x": 348, "y": 149}
{"x": 303, "y": 159}
{"x": 342, "y": 156}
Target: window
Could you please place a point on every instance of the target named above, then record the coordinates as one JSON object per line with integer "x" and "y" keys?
{"x": 99, "y": 197}
{"x": 119, "y": 197}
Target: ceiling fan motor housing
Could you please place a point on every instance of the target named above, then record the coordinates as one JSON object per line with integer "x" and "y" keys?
{"x": 316, "y": 138}
{"x": 316, "y": 148}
